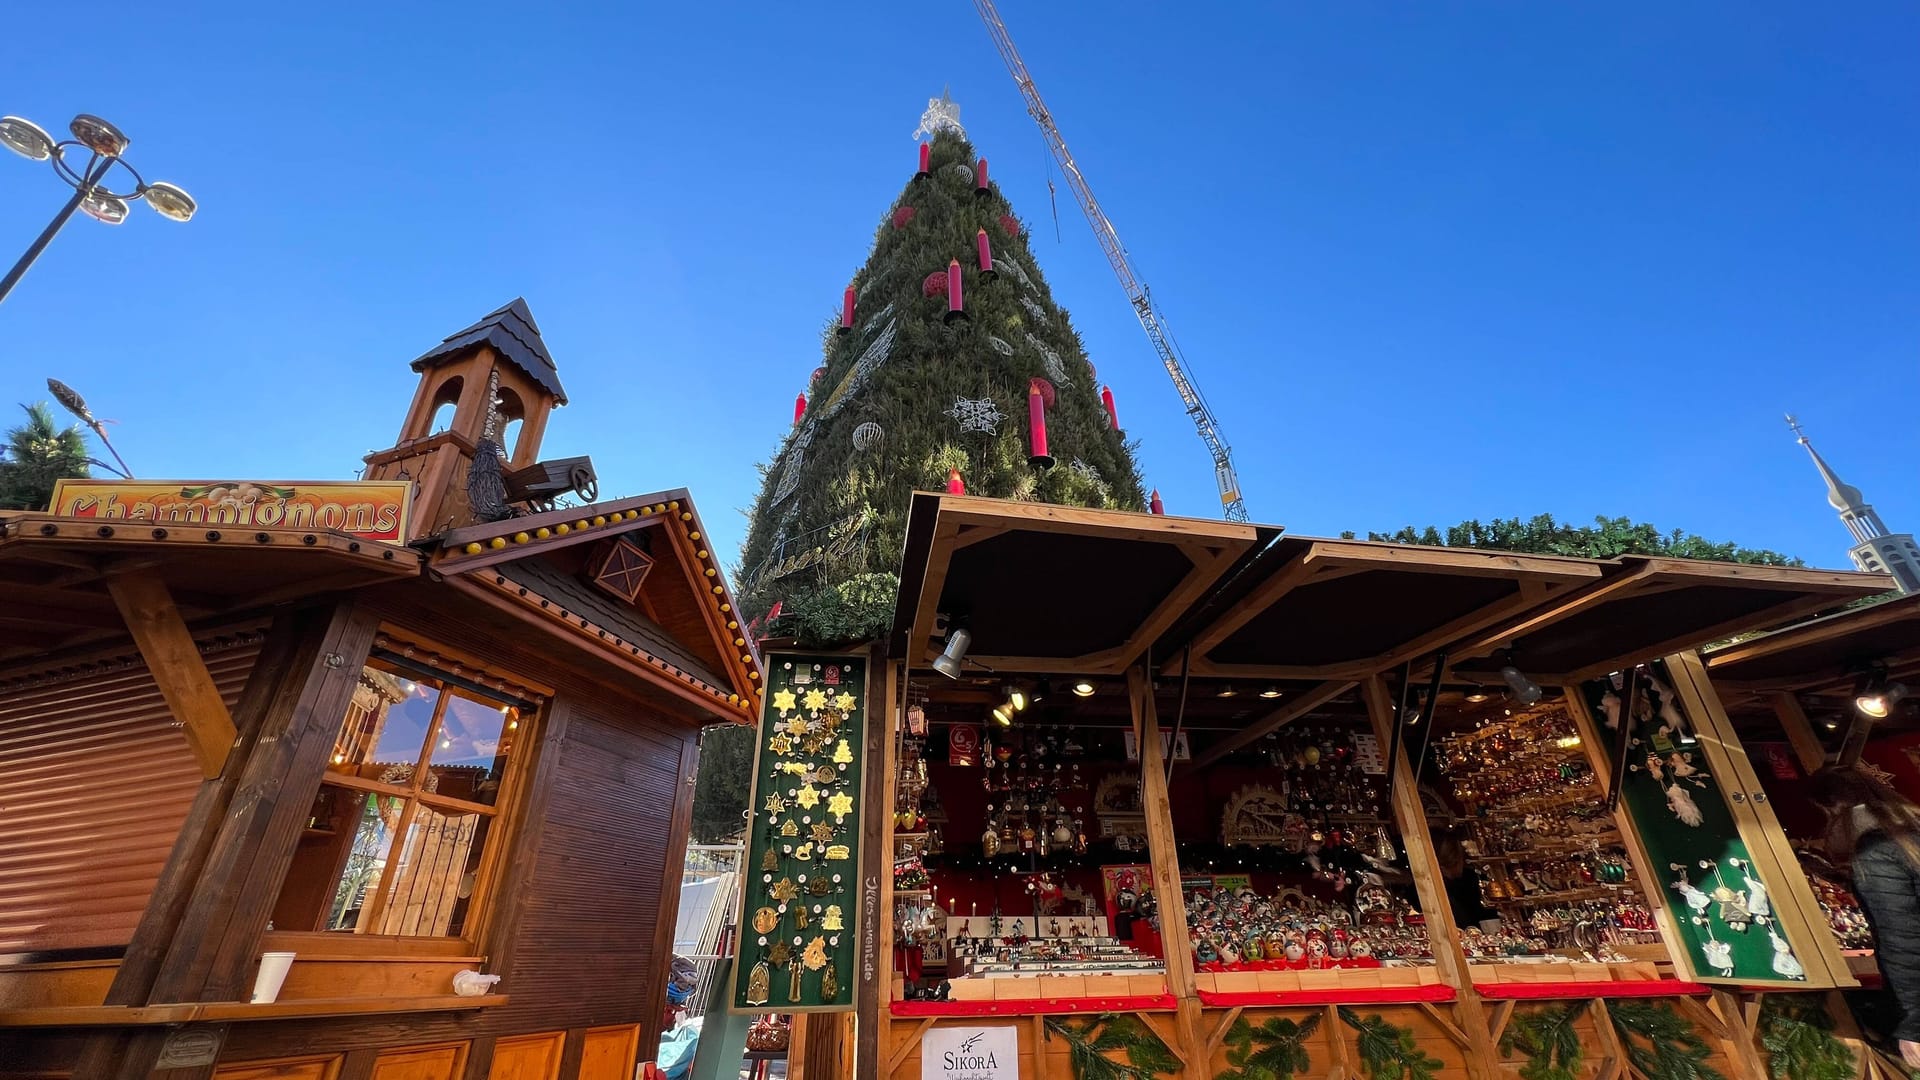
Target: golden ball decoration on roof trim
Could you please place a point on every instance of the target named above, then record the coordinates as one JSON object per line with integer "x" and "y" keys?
{"x": 710, "y": 571}
{"x": 473, "y": 548}
{"x": 562, "y": 529}
{"x": 684, "y": 516}
{"x": 581, "y": 525}
{"x": 694, "y": 535}
{"x": 726, "y": 607}
{"x": 600, "y": 520}
{"x": 520, "y": 538}
{"x": 753, "y": 675}
{"x": 542, "y": 532}
{"x": 738, "y": 642}
{"x": 702, "y": 553}
{"x": 731, "y": 624}
{"x": 497, "y": 543}
{"x": 716, "y": 590}
{"x": 674, "y": 505}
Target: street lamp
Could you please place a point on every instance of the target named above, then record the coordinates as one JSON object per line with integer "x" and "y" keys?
{"x": 103, "y": 144}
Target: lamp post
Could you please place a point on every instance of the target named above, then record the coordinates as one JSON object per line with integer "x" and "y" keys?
{"x": 103, "y": 143}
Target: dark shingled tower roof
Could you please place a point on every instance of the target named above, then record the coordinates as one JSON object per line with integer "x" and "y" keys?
{"x": 513, "y": 334}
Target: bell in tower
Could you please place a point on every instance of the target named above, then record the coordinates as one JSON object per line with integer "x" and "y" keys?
{"x": 488, "y": 389}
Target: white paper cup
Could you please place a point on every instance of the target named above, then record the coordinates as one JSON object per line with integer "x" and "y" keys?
{"x": 273, "y": 972}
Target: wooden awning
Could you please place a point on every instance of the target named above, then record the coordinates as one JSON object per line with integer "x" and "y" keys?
{"x": 1055, "y": 589}
{"x": 1824, "y": 656}
{"x": 54, "y": 572}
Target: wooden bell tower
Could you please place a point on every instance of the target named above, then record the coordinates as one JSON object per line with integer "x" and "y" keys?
{"x": 502, "y": 354}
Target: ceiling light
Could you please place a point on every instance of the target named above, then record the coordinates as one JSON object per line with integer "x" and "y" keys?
{"x": 1017, "y": 698}
{"x": 1225, "y": 691}
{"x": 1877, "y": 697}
{"x": 1270, "y": 693}
{"x": 1082, "y": 688}
{"x": 1003, "y": 713}
{"x": 959, "y": 640}
{"x": 1477, "y": 696}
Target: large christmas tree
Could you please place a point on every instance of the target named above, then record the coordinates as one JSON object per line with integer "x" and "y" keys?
{"x": 922, "y": 381}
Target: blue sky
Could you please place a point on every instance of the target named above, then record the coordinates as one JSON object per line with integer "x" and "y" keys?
{"x": 1429, "y": 261}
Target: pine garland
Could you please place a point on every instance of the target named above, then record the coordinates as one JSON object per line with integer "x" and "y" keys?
{"x": 1797, "y": 1033}
{"x": 1281, "y": 1051}
{"x": 1387, "y": 1051}
{"x": 1090, "y": 1044}
{"x": 1660, "y": 1044}
{"x": 1548, "y": 1039}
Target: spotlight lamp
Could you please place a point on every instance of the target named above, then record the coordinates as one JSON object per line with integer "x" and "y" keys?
{"x": 1226, "y": 690}
{"x": 1041, "y": 691}
{"x": 1524, "y": 690}
{"x": 1270, "y": 693}
{"x": 1003, "y": 713}
{"x": 1016, "y": 697}
{"x": 954, "y": 656}
{"x": 1082, "y": 688}
{"x": 1877, "y": 696}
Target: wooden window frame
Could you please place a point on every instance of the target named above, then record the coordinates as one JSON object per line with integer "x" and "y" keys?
{"x": 504, "y": 831}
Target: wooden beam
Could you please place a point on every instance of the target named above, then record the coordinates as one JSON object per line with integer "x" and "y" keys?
{"x": 1206, "y": 570}
{"x": 1164, "y": 857}
{"x": 1285, "y": 714}
{"x": 1793, "y": 721}
{"x": 1500, "y": 636}
{"x": 907, "y": 1045}
{"x": 873, "y": 961}
{"x": 1424, "y": 865}
{"x": 167, "y": 646}
{"x": 1814, "y": 633}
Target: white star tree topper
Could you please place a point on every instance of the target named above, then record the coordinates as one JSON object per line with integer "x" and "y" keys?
{"x": 943, "y": 114}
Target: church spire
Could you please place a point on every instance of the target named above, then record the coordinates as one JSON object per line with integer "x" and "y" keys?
{"x": 1875, "y": 550}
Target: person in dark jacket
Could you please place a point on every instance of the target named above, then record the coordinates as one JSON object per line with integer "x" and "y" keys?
{"x": 1876, "y": 831}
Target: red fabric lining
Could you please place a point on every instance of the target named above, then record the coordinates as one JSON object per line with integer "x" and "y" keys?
{"x": 1356, "y": 995}
{"x": 1033, "y": 1006}
{"x": 1618, "y": 989}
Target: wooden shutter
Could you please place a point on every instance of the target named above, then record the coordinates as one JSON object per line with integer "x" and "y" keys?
{"x": 95, "y": 781}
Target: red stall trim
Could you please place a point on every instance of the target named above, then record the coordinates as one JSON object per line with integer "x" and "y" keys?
{"x": 1358, "y": 995}
{"x": 1034, "y": 1006}
{"x": 1621, "y": 989}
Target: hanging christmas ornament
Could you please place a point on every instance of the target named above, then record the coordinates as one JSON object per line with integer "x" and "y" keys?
{"x": 1037, "y": 427}
{"x": 984, "y": 250}
{"x": 1047, "y": 394}
{"x": 902, "y": 216}
{"x": 1106, "y": 402}
{"x": 960, "y": 173}
{"x": 758, "y": 988}
{"x": 1010, "y": 224}
{"x": 867, "y": 436}
{"x": 926, "y": 159}
{"x": 846, "y": 311}
{"x": 999, "y": 345}
{"x": 956, "y": 306}
{"x": 934, "y": 284}
{"x": 955, "y": 485}
{"x": 980, "y": 180}
{"x": 813, "y": 382}
{"x": 799, "y": 408}
{"x": 977, "y": 415}
{"x": 1154, "y": 504}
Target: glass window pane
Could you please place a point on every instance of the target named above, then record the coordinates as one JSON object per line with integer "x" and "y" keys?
{"x": 385, "y": 727}
{"x": 470, "y": 755}
{"x": 360, "y": 847}
{"x": 432, "y": 884}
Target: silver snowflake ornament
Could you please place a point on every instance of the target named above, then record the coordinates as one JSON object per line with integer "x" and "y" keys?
{"x": 977, "y": 414}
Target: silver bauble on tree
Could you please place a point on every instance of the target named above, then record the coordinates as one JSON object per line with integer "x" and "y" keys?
{"x": 868, "y": 435}
{"x": 962, "y": 173}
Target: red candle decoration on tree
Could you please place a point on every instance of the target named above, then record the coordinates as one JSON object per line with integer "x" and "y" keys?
{"x": 1106, "y": 399}
{"x": 955, "y": 485}
{"x": 980, "y": 179}
{"x": 846, "y": 311}
{"x": 956, "y": 308}
{"x": 984, "y": 249}
{"x": 799, "y": 408}
{"x": 1037, "y": 427}
{"x": 1154, "y": 504}
{"x": 926, "y": 157}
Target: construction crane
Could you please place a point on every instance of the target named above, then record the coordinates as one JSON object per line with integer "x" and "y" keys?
{"x": 1150, "y": 318}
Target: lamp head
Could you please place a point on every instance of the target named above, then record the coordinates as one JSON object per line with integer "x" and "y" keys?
{"x": 26, "y": 138}
{"x": 954, "y": 656}
{"x": 98, "y": 136}
{"x": 171, "y": 202}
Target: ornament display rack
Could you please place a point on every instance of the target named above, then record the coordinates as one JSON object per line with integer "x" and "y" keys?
{"x": 1547, "y": 853}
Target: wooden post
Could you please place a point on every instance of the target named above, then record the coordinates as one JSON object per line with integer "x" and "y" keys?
{"x": 168, "y": 648}
{"x": 875, "y": 963}
{"x": 1424, "y": 865}
{"x": 1165, "y": 859}
{"x": 1793, "y": 721}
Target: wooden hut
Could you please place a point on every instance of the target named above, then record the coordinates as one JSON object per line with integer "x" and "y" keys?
{"x": 1208, "y": 645}
{"x": 468, "y": 746}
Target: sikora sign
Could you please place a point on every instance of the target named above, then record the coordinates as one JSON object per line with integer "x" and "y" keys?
{"x": 970, "y": 1053}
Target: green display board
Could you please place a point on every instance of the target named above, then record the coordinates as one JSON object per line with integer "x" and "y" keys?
{"x": 800, "y": 881}
{"x": 1701, "y": 868}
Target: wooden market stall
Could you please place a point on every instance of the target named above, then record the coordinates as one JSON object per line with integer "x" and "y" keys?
{"x": 386, "y": 731}
{"x": 1578, "y": 753}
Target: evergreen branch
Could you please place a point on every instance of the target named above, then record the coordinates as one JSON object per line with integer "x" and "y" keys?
{"x": 1796, "y": 1031}
{"x": 1660, "y": 1044}
{"x": 1090, "y": 1043}
{"x": 1387, "y": 1051}
{"x": 1548, "y": 1039}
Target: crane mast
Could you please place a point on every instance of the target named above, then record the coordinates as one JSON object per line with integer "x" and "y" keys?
{"x": 1137, "y": 293}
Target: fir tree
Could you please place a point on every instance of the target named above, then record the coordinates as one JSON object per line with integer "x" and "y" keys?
{"x": 881, "y": 421}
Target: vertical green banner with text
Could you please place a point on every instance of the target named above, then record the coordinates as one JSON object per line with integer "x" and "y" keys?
{"x": 799, "y": 897}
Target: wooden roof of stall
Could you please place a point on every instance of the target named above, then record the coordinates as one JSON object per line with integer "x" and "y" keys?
{"x": 54, "y": 572}
{"x": 1821, "y": 658}
{"x": 1061, "y": 590}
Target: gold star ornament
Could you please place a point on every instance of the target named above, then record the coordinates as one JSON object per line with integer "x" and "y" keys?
{"x": 783, "y": 701}
{"x": 808, "y": 797}
{"x": 816, "y": 700}
{"x": 844, "y": 702}
{"x": 840, "y": 805}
